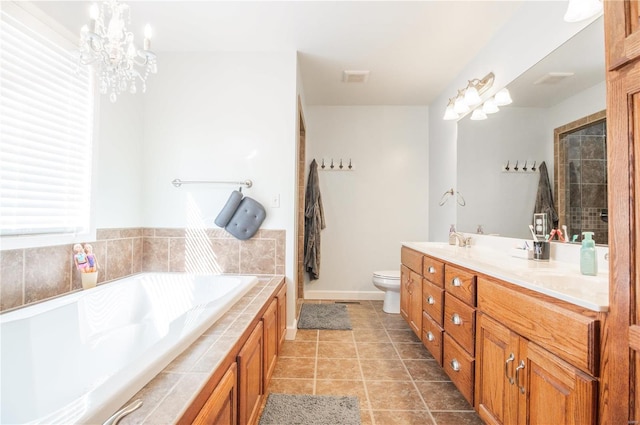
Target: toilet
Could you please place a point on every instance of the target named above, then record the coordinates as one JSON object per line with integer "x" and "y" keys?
{"x": 389, "y": 282}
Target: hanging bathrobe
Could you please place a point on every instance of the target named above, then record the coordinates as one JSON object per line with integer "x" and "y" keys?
{"x": 313, "y": 223}
{"x": 544, "y": 198}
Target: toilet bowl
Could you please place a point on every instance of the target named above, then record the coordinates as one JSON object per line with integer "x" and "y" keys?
{"x": 389, "y": 282}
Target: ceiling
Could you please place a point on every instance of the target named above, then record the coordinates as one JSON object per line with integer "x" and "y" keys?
{"x": 413, "y": 49}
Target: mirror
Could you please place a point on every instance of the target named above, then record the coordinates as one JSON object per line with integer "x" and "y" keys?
{"x": 555, "y": 94}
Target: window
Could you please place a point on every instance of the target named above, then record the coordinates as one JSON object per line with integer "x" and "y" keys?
{"x": 46, "y": 131}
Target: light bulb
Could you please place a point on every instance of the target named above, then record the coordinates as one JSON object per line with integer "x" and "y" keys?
{"x": 147, "y": 31}
{"x": 94, "y": 12}
{"x": 460, "y": 107}
{"x": 478, "y": 115}
{"x": 471, "y": 96}
{"x": 503, "y": 97}
{"x": 490, "y": 107}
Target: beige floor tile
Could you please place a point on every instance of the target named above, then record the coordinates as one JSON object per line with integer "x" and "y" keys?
{"x": 425, "y": 370}
{"x": 394, "y": 321}
{"x": 306, "y": 335}
{"x": 339, "y": 336}
{"x": 291, "y": 386}
{"x": 365, "y": 323}
{"x": 336, "y": 350}
{"x": 343, "y": 387}
{"x": 442, "y": 396}
{"x": 457, "y": 418}
{"x": 412, "y": 350}
{"x": 402, "y": 417}
{"x": 371, "y": 335}
{"x": 339, "y": 369}
{"x": 398, "y": 395}
{"x": 401, "y": 335}
{"x": 366, "y": 417}
{"x": 384, "y": 369}
{"x": 376, "y": 350}
{"x": 298, "y": 349}
{"x": 295, "y": 367}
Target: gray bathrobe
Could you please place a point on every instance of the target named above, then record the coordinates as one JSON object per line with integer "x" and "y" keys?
{"x": 544, "y": 198}
{"x": 313, "y": 223}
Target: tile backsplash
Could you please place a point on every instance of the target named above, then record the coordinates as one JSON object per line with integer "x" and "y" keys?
{"x": 35, "y": 274}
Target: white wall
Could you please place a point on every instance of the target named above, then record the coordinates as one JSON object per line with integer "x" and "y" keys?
{"x": 118, "y": 201}
{"x": 371, "y": 210}
{"x": 509, "y": 54}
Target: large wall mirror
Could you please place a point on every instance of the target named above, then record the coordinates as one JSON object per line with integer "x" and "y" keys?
{"x": 554, "y": 104}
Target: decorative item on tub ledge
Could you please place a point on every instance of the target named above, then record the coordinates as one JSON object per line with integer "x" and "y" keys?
{"x": 107, "y": 45}
{"x": 336, "y": 166}
{"x": 87, "y": 263}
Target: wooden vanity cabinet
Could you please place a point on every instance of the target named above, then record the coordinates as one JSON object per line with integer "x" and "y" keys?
{"x": 271, "y": 340}
{"x": 411, "y": 293}
{"x": 251, "y": 380}
{"x": 221, "y": 407}
{"x": 518, "y": 381}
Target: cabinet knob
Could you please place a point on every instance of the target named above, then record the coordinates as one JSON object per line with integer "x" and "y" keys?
{"x": 456, "y": 319}
{"x": 432, "y": 269}
{"x": 456, "y": 281}
{"x": 455, "y": 365}
{"x": 430, "y": 336}
{"x": 430, "y": 300}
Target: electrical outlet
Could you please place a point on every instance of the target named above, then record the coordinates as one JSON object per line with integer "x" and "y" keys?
{"x": 275, "y": 201}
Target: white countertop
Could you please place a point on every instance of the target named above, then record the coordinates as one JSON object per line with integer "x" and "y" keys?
{"x": 556, "y": 279}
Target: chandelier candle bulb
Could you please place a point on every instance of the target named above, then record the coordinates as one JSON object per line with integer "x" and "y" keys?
{"x": 147, "y": 37}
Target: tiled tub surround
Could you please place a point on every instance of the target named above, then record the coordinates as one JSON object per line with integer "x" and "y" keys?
{"x": 167, "y": 396}
{"x": 36, "y": 274}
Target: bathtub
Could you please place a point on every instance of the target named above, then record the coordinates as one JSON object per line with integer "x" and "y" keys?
{"x": 80, "y": 357}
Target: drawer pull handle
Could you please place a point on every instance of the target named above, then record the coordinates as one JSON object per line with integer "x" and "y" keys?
{"x": 518, "y": 369}
{"x": 432, "y": 270}
{"x": 455, "y": 365}
{"x": 430, "y": 336}
{"x": 430, "y": 300}
{"x": 506, "y": 369}
{"x": 456, "y": 281}
{"x": 456, "y": 319}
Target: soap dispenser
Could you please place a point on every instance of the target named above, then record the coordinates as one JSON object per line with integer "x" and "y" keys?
{"x": 452, "y": 236}
{"x": 588, "y": 261}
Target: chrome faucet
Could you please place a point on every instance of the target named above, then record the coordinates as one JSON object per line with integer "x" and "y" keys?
{"x": 462, "y": 241}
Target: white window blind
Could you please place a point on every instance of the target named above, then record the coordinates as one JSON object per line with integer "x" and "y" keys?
{"x": 46, "y": 129}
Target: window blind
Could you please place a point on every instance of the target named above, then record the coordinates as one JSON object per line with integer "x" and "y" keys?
{"x": 46, "y": 130}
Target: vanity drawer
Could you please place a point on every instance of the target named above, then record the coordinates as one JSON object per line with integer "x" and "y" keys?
{"x": 432, "y": 300}
{"x": 459, "y": 366}
{"x": 433, "y": 270}
{"x": 461, "y": 284}
{"x": 412, "y": 259}
{"x": 432, "y": 337}
{"x": 460, "y": 322}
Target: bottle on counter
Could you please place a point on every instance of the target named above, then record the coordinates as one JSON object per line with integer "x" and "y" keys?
{"x": 588, "y": 259}
{"x": 452, "y": 238}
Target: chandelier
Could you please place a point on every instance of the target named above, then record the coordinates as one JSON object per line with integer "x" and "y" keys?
{"x": 106, "y": 45}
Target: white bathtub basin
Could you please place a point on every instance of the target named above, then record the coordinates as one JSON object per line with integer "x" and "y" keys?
{"x": 78, "y": 358}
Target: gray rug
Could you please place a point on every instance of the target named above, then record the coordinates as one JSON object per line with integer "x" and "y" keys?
{"x": 290, "y": 409}
{"x": 324, "y": 316}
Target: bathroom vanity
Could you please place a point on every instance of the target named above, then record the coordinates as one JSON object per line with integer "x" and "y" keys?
{"x": 521, "y": 340}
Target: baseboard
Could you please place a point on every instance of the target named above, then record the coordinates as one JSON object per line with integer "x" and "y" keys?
{"x": 343, "y": 295}
{"x": 291, "y": 331}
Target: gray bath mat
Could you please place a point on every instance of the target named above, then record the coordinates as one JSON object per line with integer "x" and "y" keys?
{"x": 324, "y": 316}
{"x": 290, "y": 409}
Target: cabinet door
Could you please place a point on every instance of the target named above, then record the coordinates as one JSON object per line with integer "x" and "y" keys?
{"x": 623, "y": 34}
{"x": 405, "y": 299}
{"x": 250, "y": 369}
{"x": 496, "y": 355}
{"x": 270, "y": 326}
{"x": 415, "y": 309}
{"x": 551, "y": 391}
{"x": 221, "y": 407}
{"x": 282, "y": 316}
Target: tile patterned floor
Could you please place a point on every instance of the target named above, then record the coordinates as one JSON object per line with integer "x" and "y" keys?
{"x": 381, "y": 362}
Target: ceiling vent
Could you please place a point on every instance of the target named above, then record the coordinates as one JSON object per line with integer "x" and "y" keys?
{"x": 355, "y": 76}
{"x": 553, "y": 77}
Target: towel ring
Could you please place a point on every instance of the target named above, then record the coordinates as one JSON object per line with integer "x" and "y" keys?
{"x": 459, "y": 198}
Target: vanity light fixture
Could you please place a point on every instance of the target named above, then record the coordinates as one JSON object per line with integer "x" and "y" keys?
{"x": 478, "y": 114}
{"x": 468, "y": 97}
{"x": 503, "y": 97}
{"x": 579, "y": 10}
{"x": 106, "y": 45}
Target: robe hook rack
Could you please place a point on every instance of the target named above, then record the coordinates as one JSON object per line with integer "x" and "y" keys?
{"x": 519, "y": 166}
{"x": 336, "y": 165}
